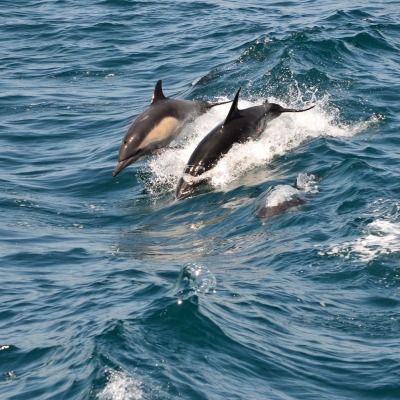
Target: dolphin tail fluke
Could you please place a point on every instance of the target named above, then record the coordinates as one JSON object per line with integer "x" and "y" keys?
{"x": 211, "y": 105}
{"x": 294, "y": 110}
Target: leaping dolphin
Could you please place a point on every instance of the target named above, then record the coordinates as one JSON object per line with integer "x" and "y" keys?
{"x": 238, "y": 127}
{"x": 158, "y": 126}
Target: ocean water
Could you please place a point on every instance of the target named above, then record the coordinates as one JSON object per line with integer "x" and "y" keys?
{"x": 110, "y": 289}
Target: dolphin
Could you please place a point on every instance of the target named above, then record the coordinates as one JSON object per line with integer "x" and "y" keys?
{"x": 238, "y": 127}
{"x": 156, "y": 127}
{"x": 277, "y": 200}
{"x": 264, "y": 211}
{"x": 280, "y": 198}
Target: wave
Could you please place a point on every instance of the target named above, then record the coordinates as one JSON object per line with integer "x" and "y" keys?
{"x": 379, "y": 238}
{"x": 121, "y": 385}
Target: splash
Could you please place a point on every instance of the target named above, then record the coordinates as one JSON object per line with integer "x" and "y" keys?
{"x": 194, "y": 279}
{"x": 280, "y": 137}
{"x": 121, "y": 386}
{"x": 307, "y": 183}
{"x": 380, "y": 237}
{"x": 279, "y": 195}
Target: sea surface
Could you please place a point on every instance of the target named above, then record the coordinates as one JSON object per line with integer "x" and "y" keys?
{"x": 111, "y": 289}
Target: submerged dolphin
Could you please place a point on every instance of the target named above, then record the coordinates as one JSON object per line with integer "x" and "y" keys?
{"x": 238, "y": 127}
{"x": 277, "y": 201}
{"x": 158, "y": 126}
{"x": 280, "y": 198}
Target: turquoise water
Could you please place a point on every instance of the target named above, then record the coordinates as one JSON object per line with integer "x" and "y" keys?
{"x": 113, "y": 290}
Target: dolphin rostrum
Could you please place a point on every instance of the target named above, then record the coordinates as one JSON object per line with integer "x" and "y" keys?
{"x": 158, "y": 126}
{"x": 238, "y": 127}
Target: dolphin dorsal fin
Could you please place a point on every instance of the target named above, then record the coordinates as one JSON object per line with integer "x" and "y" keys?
{"x": 158, "y": 93}
{"x": 234, "y": 111}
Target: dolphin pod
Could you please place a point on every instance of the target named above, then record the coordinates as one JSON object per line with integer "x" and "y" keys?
{"x": 156, "y": 127}
{"x": 238, "y": 127}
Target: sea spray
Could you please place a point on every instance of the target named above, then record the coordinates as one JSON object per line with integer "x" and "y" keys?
{"x": 194, "y": 279}
{"x": 281, "y": 136}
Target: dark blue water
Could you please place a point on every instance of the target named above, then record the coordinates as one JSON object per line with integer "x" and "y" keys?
{"x": 110, "y": 289}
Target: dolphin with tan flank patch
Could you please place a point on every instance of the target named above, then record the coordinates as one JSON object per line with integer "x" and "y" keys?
{"x": 158, "y": 126}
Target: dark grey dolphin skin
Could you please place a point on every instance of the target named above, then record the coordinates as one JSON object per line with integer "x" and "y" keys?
{"x": 294, "y": 195}
{"x": 267, "y": 212}
{"x": 238, "y": 127}
{"x": 158, "y": 126}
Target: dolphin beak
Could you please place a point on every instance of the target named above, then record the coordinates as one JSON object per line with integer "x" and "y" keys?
{"x": 121, "y": 165}
{"x": 183, "y": 189}
{"x": 126, "y": 161}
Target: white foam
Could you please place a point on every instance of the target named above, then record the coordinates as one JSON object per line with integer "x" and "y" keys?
{"x": 282, "y": 135}
{"x": 307, "y": 183}
{"x": 382, "y": 237}
{"x": 121, "y": 386}
{"x": 279, "y": 195}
